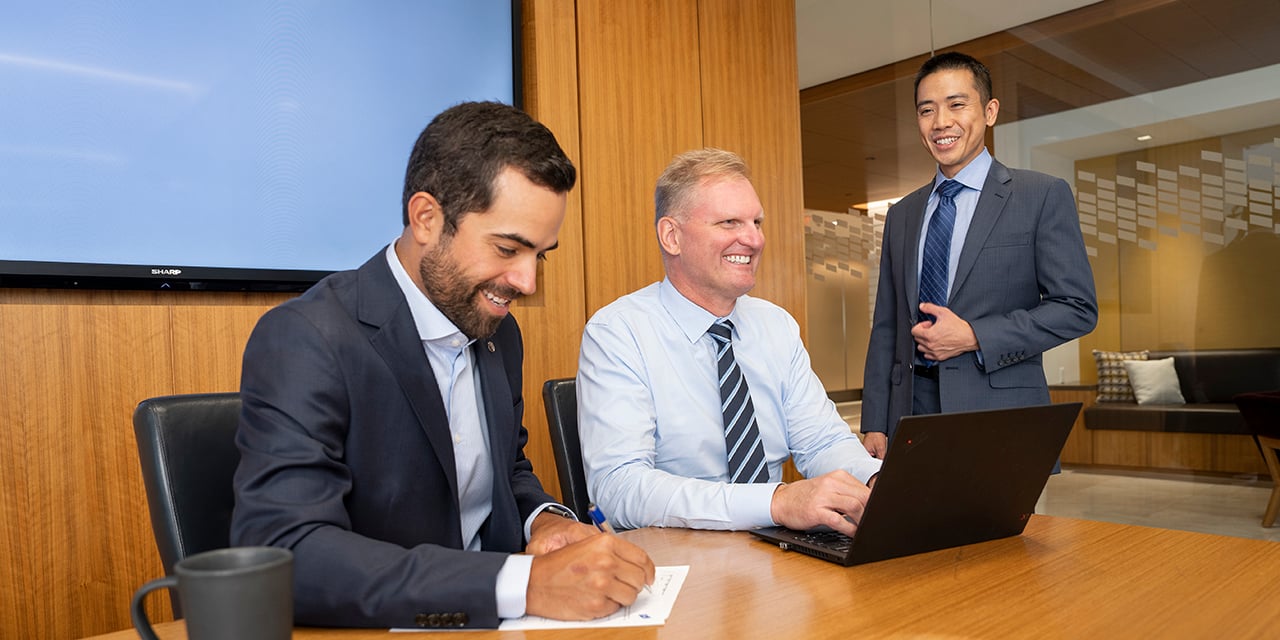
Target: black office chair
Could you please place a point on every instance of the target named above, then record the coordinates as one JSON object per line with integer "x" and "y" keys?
{"x": 561, "y": 400}
{"x": 187, "y": 447}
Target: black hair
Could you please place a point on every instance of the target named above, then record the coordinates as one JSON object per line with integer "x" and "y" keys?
{"x": 958, "y": 61}
{"x": 460, "y": 153}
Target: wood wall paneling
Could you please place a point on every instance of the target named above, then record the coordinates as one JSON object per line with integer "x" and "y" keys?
{"x": 552, "y": 320}
{"x": 640, "y": 96}
{"x": 750, "y": 105}
{"x": 73, "y": 365}
{"x": 208, "y": 345}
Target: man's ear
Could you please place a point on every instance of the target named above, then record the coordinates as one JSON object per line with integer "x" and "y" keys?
{"x": 669, "y": 235}
{"x": 991, "y": 111}
{"x": 426, "y": 220}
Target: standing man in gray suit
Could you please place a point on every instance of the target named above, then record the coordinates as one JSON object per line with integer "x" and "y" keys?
{"x": 981, "y": 270}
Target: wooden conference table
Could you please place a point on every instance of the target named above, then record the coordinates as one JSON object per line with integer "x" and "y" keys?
{"x": 1062, "y": 578}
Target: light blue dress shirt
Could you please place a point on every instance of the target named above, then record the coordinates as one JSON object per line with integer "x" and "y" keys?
{"x": 972, "y": 176}
{"x": 455, "y": 372}
{"x": 649, "y": 412}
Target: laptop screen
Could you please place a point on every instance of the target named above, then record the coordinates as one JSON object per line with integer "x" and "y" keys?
{"x": 953, "y": 479}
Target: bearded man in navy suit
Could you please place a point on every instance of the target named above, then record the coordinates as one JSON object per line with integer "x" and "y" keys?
{"x": 1017, "y": 279}
{"x": 381, "y": 434}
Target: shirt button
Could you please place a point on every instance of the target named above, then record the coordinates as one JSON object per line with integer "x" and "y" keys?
{"x": 457, "y": 439}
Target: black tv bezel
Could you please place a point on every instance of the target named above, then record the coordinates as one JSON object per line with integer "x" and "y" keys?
{"x": 32, "y": 274}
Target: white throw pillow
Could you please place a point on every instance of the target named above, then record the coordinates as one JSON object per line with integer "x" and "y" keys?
{"x": 1154, "y": 381}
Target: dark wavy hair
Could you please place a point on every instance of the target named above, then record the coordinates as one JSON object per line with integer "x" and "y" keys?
{"x": 458, "y": 156}
{"x": 958, "y": 61}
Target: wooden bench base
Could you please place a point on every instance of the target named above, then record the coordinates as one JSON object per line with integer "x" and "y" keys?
{"x": 1216, "y": 453}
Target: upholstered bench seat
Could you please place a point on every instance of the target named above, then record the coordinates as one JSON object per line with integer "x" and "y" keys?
{"x": 1208, "y": 379}
{"x": 1205, "y": 417}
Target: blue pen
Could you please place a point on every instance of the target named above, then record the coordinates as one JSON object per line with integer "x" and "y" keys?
{"x": 597, "y": 516}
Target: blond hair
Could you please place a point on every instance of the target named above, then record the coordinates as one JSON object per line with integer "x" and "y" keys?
{"x": 689, "y": 169}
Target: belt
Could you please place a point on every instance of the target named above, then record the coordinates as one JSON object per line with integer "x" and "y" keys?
{"x": 926, "y": 372}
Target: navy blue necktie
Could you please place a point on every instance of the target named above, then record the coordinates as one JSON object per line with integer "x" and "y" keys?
{"x": 741, "y": 435}
{"x": 937, "y": 246}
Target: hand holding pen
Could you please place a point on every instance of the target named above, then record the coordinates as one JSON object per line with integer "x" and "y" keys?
{"x": 568, "y": 582}
{"x": 597, "y": 516}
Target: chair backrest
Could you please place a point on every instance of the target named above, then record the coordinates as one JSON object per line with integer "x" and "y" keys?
{"x": 560, "y": 396}
{"x": 187, "y": 447}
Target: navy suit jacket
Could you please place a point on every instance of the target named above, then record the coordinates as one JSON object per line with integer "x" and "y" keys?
{"x": 347, "y": 459}
{"x": 1023, "y": 283}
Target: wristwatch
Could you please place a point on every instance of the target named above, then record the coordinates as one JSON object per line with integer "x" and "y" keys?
{"x": 560, "y": 511}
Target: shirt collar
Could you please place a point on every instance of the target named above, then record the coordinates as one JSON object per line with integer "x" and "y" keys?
{"x": 973, "y": 175}
{"x": 431, "y": 324}
{"x": 692, "y": 319}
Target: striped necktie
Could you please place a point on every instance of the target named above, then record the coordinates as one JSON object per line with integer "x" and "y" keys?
{"x": 743, "y": 447}
{"x": 937, "y": 246}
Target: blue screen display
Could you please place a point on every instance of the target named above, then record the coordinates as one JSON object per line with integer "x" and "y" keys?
{"x": 241, "y": 134}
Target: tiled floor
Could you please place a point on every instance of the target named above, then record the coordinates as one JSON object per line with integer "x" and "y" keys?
{"x": 1230, "y": 506}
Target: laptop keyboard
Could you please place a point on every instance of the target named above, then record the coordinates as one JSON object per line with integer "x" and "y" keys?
{"x": 833, "y": 540}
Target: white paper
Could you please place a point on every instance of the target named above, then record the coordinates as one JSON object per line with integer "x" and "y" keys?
{"x": 651, "y": 608}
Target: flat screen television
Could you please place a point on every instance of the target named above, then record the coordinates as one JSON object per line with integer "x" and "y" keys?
{"x": 232, "y": 145}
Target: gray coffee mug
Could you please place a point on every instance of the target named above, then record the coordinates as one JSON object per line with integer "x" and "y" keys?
{"x": 240, "y": 593}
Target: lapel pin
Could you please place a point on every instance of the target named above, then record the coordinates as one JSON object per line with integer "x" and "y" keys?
{"x": 490, "y": 343}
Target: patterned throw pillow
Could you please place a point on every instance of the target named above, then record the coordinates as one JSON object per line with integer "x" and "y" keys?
{"x": 1113, "y": 380}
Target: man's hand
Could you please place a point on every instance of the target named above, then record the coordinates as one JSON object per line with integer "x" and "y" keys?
{"x": 550, "y": 532}
{"x": 944, "y": 338}
{"x": 835, "y": 499}
{"x": 587, "y": 579}
{"x": 877, "y": 443}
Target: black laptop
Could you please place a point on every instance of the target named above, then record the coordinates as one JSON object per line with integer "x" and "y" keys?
{"x": 949, "y": 479}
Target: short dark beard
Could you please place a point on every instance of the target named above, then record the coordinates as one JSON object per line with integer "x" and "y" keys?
{"x": 455, "y": 297}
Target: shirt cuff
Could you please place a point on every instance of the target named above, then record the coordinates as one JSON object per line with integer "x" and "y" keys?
{"x": 528, "y": 522}
{"x": 750, "y": 505}
{"x": 513, "y": 586}
{"x": 866, "y": 469}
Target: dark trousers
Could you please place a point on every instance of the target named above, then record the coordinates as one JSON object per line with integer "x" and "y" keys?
{"x": 924, "y": 396}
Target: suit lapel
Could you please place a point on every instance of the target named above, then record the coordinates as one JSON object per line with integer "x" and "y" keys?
{"x": 381, "y": 305}
{"x": 991, "y": 203}
{"x": 915, "y": 227}
{"x": 494, "y": 388}
{"x": 502, "y": 531}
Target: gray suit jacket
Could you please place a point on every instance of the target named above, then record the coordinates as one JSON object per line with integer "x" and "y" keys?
{"x": 1023, "y": 283}
{"x": 347, "y": 459}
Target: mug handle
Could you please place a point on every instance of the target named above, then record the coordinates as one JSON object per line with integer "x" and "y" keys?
{"x": 139, "y": 615}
